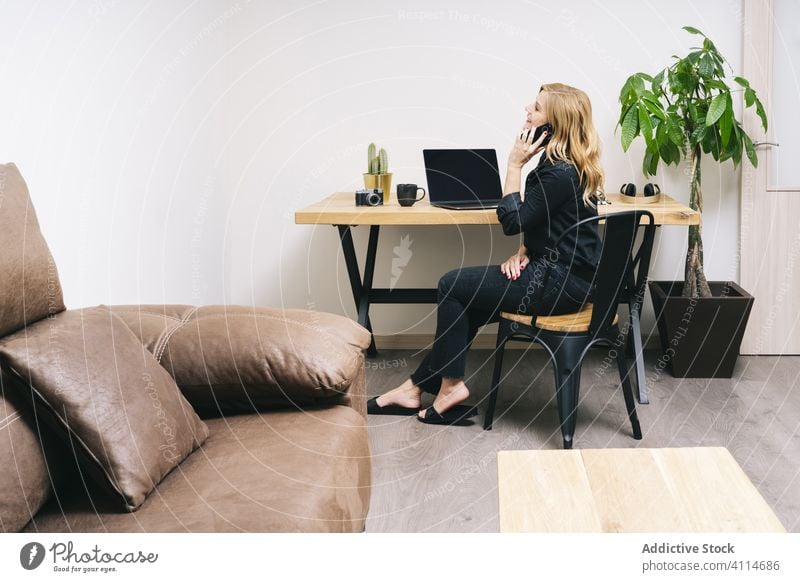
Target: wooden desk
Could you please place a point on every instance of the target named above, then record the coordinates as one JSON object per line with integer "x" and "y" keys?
{"x": 629, "y": 490}
{"x": 339, "y": 210}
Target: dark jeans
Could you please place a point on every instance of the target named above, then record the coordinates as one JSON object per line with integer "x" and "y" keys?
{"x": 472, "y": 297}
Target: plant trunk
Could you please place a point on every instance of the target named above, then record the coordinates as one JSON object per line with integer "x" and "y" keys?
{"x": 695, "y": 283}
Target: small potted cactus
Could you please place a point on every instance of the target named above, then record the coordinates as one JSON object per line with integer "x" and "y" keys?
{"x": 377, "y": 175}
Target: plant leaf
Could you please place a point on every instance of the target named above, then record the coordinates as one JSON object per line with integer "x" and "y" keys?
{"x": 735, "y": 146}
{"x": 661, "y": 131}
{"x": 630, "y": 127}
{"x": 750, "y": 149}
{"x": 637, "y": 84}
{"x": 658, "y": 81}
{"x": 737, "y": 130}
{"x": 718, "y": 68}
{"x": 625, "y": 91}
{"x": 711, "y": 142}
{"x": 675, "y": 131}
{"x": 654, "y": 107}
{"x": 698, "y": 135}
{"x": 645, "y": 125}
{"x": 715, "y": 84}
{"x": 693, "y": 57}
{"x": 742, "y": 81}
{"x": 677, "y": 154}
{"x": 686, "y": 81}
{"x": 761, "y": 113}
{"x": 709, "y": 46}
{"x": 648, "y": 158}
{"x": 716, "y": 109}
{"x": 697, "y": 115}
{"x": 706, "y": 66}
{"x": 622, "y": 116}
{"x": 725, "y": 122}
{"x": 692, "y": 30}
{"x": 665, "y": 152}
{"x": 675, "y": 82}
{"x": 749, "y": 97}
{"x": 650, "y": 161}
{"x": 653, "y": 169}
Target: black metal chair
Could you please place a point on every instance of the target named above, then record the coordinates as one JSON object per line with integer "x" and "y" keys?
{"x": 567, "y": 338}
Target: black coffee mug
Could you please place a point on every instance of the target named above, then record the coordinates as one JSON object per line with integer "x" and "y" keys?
{"x": 407, "y": 194}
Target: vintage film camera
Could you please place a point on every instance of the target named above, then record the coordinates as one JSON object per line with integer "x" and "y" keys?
{"x": 370, "y": 197}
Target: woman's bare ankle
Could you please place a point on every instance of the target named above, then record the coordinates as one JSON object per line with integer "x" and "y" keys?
{"x": 407, "y": 394}
{"x": 452, "y": 392}
{"x": 450, "y": 385}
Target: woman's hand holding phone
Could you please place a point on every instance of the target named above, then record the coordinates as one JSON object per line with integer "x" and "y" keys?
{"x": 528, "y": 143}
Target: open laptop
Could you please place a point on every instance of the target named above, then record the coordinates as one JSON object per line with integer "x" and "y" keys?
{"x": 463, "y": 179}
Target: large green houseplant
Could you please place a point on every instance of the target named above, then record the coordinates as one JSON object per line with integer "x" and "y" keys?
{"x": 684, "y": 111}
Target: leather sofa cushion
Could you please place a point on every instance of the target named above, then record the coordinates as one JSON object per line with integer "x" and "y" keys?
{"x": 90, "y": 378}
{"x": 236, "y": 358}
{"x": 29, "y": 286}
{"x": 281, "y": 471}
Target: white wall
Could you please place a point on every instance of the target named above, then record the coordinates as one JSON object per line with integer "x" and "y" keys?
{"x": 108, "y": 108}
{"x": 310, "y": 91}
{"x": 168, "y": 144}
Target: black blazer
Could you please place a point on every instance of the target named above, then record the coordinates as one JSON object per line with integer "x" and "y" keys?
{"x": 553, "y": 202}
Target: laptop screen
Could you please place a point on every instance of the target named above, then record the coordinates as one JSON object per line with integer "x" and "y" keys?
{"x": 462, "y": 175}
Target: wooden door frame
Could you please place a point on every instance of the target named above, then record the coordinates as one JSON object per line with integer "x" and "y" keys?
{"x": 757, "y": 31}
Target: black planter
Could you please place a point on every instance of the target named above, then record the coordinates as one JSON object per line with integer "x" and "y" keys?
{"x": 700, "y": 338}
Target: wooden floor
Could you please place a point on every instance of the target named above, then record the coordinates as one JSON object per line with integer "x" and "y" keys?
{"x": 444, "y": 479}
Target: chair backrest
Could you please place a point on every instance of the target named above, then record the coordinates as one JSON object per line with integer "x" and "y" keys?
{"x": 619, "y": 259}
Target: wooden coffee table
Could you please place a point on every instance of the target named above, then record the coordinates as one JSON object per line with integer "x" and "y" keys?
{"x": 629, "y": 490}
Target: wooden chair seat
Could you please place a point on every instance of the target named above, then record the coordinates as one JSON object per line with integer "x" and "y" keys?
{"x": 577, "y": 322}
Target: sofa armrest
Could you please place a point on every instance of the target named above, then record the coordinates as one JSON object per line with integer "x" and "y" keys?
{"x": 356, "y": 395}
{"x": 235, "y": 358}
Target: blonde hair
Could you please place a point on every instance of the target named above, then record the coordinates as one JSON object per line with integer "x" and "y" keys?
{"x": 575, "y": 138}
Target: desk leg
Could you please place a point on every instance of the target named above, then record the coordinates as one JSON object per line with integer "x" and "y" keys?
{"x": 360, "y": 290}
{"x": 369, "y": 270}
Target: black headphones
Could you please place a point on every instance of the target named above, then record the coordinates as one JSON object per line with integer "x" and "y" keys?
{"x": 651, "y": 189}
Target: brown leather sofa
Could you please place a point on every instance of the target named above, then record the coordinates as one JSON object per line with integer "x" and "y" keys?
{"x": 171, "y": 418}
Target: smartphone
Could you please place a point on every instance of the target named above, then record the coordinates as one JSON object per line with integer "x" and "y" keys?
{"x": 538, "y": 133}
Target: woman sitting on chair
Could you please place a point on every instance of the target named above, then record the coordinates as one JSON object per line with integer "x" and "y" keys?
{"x": 559, "y": 192}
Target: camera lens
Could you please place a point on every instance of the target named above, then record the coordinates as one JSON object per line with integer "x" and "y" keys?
{"x": 373, "y": 199}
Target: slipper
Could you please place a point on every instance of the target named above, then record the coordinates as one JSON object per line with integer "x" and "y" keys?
{"x": 394, "y": 409}
{"x": 463, "y": 410}
{"x": 453, "y": 415}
